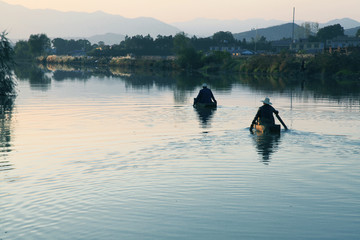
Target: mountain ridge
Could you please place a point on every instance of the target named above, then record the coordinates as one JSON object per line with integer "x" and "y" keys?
{"x": 112, "y": 29}
{"x": 75, "y": 24}
{"x": 271, "y": 33}
{"x": 207, "y": 26}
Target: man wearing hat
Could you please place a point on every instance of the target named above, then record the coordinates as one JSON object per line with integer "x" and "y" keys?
{"x": 265, "y": 114}
{"x": 205, "y": 95}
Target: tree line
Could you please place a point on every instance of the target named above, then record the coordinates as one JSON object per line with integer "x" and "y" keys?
{"x": 191, "y": 52}
{"x": 139, "y": 45}
{"x": 7, "y": 84}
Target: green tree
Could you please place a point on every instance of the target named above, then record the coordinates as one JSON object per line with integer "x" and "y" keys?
{"x": 187, "y": 56}
{"x": 202, "y": 44}
{"x": 164, "y": 44}
{"x": 7, "y": 84}
{"x": 83, "y": 44}
{"x": 101, "y": 43}
{"x": 61, "y": 46}
{"x": 38, "y": 43}
{"x": 64, "y": 47}
{"x": 22, "y": 50}
{"x": 330, "y": 32}
{"x": 358, "y": 33}
{"x": 217, "y": 57}
{"x": 223, "y": 37}
{"x": 181, "y": 42}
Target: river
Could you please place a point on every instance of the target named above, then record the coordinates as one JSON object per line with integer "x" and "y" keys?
{"x": 93, "y": 154}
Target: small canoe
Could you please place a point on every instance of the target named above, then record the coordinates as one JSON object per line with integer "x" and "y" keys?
{"x": 205, "y": 105}
{"x": 268, "y": 129}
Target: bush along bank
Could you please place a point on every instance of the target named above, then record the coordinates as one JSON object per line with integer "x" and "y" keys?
{"x": 330, "y": 65}
{"x": 342, "y": 67}
{"x": 272, "y": 64}
{"x": 123, "y": 62}
{"x": 72, "y": 60}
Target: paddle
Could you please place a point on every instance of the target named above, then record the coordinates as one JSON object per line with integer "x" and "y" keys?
{"x": 279, "y": 118}
{"x": 252, "y": 125}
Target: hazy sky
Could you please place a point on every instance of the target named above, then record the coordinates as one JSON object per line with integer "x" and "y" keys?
{"x": 183, "y": 10}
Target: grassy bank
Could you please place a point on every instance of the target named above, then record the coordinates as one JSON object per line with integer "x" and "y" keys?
{"x": 337, "y": 66}
{"x": 123, "y": 62}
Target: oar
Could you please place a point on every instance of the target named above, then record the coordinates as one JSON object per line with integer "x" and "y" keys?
{"x": 251, "y": 127}
{"x": 279, "y": 118}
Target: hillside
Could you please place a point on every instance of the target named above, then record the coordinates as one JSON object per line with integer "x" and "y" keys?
{"x": 272, "y": 33}
{"x": 202, "y": 27}
{"x": 346, "y": 23}
{"x": 352, "y": 31}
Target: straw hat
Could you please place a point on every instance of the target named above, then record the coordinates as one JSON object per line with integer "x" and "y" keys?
{"x": 266, "y": 101}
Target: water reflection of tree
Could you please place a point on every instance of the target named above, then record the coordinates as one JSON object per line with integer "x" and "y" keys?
{"x": 61, "y": 75}
{"x": 205, "y": 115}
{"x": 36, "y": 76}
{"x": 266, "y": 145}
{"x": 323, "y": 87}
{"x": 268, "y": 83}
{"x": 184, "y": 82}
{"x": 38, "y": 80}
{"x": 6, "y": 107}
{"x": 65, "y": 72}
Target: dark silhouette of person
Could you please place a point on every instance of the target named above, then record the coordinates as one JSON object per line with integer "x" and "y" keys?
{"x": 264, "y": 115}
{"x": 205, "y": 95}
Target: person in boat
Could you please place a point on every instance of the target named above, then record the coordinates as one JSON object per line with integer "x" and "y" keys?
{"x": 205, "y": 95}
{"x": 264, "y": 115}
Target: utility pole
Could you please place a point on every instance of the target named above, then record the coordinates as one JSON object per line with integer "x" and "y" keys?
{"x": 256, "y": 36}
{"x": 293, "y": 26}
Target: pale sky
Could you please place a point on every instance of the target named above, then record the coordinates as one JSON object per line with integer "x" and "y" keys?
{"x": 170, "y": 11}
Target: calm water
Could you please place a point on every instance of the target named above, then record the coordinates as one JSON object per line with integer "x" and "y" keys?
{"x": 94, "y": 155}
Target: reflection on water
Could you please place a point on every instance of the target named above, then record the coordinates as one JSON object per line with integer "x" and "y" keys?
{"x": 205, "y": 115}
{"x": 6, "y": 107}
{"x": 61, "y": 75}
{"x": 321, "y": 87}
{"x": 266, "y": 145}
{"x": 37, "y": 77}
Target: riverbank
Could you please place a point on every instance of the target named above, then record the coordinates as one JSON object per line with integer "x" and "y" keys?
{"x": 344, "y": 68}
{"x": 123, "y": 62}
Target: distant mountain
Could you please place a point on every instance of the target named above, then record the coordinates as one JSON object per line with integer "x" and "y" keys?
{"x": 352, "y": 31}
{"x": 346, "y": 23}
{"x": 203, "y": 27}
{"x": 21, "y": 22}
{"x": 272, "y": 33}
{"x": 351, "y": 26}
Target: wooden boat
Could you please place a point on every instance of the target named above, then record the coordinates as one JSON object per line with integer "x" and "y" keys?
{"x": 270, "y": 129}
{"x": 205, "y": 105}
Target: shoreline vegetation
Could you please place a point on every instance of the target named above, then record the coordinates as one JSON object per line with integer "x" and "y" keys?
{"x": 340, "y": 67}
{"x": 220, "y": 53}
{"x": 7, "y": 83}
